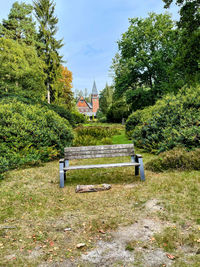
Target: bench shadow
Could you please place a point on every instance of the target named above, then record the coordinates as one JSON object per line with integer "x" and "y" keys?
{"x": 100, "y": 176}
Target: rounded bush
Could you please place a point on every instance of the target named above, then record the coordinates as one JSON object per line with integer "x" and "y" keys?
{"x": 172, "y": 121}
{"x": 6, "y": 98}
{"x": 175, "y": 159}
{"x": 30, "y": 133}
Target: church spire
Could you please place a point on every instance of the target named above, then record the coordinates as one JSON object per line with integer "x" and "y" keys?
{"x": 94, "y": 89}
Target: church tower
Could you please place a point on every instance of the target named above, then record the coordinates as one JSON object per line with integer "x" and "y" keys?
{"x": 95, "y": 98}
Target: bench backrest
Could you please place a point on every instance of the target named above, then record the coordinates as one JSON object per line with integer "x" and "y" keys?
{"x": 85, "y": 152}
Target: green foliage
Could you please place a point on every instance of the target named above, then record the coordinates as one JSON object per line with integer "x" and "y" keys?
{"x": 139, "y": 117}
{"x": 20, "y": 26}
{"x": 146, "y": 52}
{"x": 21, "y": 69}
{"x": 63, "y": 112}
{"x": 188, "y": 58}
{"x": 173, "y": 121}
{"x": 96, "y": 131}
{"x": 140, "y": 97}
{"x": 118, "y": 110}
{"x": 85, "y": 140}
{"x": 100, "y": 116}
{"x": 106, "y": 141}
{"x": 106, "y": 98}
{"x": 78, "y": 117}
{"x": 30, "y": 133}
{"x": 94, "y": 135}
{"x": 177, "y": 158}
{"x": 49, "y": 50}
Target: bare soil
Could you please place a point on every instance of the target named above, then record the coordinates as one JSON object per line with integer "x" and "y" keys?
{"x": 128, "y": 246}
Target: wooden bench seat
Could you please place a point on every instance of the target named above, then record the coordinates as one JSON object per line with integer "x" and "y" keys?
{"x": 126, "y": 164}
{"x": 87, "y": 152}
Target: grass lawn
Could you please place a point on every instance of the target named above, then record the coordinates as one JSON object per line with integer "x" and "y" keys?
{"x": 34, "y": 211}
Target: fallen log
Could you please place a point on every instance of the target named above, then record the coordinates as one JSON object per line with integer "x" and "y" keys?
{"x": 92, "y": 188}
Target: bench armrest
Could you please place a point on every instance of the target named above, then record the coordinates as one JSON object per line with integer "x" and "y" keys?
{"x": 138, "y": 156}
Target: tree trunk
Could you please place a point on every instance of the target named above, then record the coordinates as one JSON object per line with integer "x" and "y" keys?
{"x": 48, "y": 94}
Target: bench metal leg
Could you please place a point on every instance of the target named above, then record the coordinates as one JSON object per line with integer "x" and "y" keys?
{"x": 133, "y": 159}
{"x": 137, "y": 170}
{"x": 62, "y": 174}
{"x": 66, "y": 165}
{"x": 141, "y": 167}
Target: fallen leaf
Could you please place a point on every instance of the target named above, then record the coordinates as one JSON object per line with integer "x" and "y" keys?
{"x": 170, "y": 256}
{"x": 51, "y": 243}
{"x": 80, "y": 245}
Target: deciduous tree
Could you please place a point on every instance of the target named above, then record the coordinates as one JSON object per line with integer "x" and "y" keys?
{"x": 64, "y": 94}
{"x": 188, "y": 58}
{"x": 146, "y": 52}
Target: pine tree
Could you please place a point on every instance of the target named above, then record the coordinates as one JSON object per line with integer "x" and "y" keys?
{"x": 20, "y": 25}
{"x": 106, "y": 98}
{"x": 44, "y": 10}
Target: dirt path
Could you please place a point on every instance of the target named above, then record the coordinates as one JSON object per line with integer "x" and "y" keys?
{"x": 129, "y": 246}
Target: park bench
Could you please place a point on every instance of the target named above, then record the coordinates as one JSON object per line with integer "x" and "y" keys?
{"x": 87, "y": 152}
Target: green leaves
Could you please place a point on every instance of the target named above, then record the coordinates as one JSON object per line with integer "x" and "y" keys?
{"x": 29, "y": 133}
{"x": 172, "y": 121}
{"x": 20, "y": 68}
{"x": 146, "y": 52}
{"x": 44, "y": 10}
{"x": 20, "y": 25}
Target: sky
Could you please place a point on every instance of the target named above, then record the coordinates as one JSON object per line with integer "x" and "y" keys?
{"x": 90, "y": 30}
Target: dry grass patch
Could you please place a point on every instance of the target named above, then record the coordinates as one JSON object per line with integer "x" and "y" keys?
{"x": 39, "y": 211}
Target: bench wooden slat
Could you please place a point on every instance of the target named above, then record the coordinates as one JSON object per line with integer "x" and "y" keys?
{"x": 97, "y": 148}
{"x": 97, "y": 166}
{"x": 93, "y": 155}
{"x": 97, "y": 155}
{"x": 107, "y": 151}
{"x": 99, "y": 151}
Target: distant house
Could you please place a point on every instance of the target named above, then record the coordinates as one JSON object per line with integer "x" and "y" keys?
{"x": 89, "y": 109}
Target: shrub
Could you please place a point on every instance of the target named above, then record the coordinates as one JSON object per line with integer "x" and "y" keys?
{"x": 177, "y": 158}
{"x": 106, "y": 141}
{"x": 94, "y": 135}
{"x": 78, "y": 117}
{"x": 64, "y": 113}
{"x": 74, "y": 118}
{"x": 85, "y": 140}
{"x": 97, "y": 132}
{"x": 139, "y": 117}
{"x": 30, "y": 133}
{"x": 117, "y": 111}
{"x": 102, "y": 120}
{"x": 173, "y": 121}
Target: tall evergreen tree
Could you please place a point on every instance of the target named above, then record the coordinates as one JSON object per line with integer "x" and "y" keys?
{"x": 44, "y": 10}
{"x": 20, "y": 25}
{"x": 106, "y": 98}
